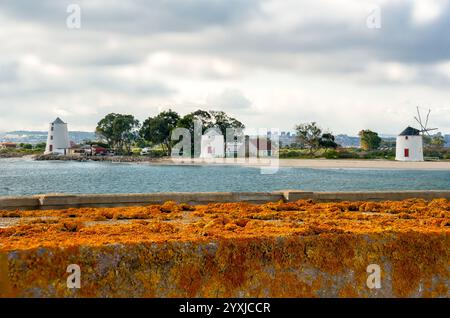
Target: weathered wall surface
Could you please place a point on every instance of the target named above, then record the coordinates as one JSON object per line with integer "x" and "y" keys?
{"x": 412, "y": 265}
{"x": 62, "y": 201}
{"x": 282, "y": 249}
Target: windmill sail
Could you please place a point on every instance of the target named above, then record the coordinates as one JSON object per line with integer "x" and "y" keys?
{"x": 423, "y": 127}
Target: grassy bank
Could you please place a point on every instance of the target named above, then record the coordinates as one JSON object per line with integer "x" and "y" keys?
{"x": 356, "y": 153}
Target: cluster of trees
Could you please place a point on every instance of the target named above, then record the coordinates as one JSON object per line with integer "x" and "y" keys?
{"x": 435, "y": 141}
{"x": 369, "y": 140}
{"x": 38, "y": 147}
{"x": 157, "y": 130}
{"x": 310, "y": 136}
{"x": 120, "y": 132}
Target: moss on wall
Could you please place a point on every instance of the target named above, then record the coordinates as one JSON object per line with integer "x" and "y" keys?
{"x": 297, "y": 249}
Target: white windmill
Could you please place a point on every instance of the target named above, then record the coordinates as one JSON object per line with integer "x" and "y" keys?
{"x": 57, "y": 138}
{"x": 409, "y": 146}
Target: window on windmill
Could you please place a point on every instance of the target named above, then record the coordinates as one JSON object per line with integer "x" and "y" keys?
{"x": 406, "y": 137}
{"x": 51, "y": 137}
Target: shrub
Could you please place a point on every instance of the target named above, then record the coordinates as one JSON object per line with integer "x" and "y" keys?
{"x": 341, "y": 154}
{"x": 157, "y": 153}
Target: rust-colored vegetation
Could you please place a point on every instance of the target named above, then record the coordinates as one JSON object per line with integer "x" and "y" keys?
{"x": 240, "y": 249}
{"x": 155, "y": 223}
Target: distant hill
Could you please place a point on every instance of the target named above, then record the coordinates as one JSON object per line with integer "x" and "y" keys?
{"x": 34, "y": 137}
{"x": 354, "y": 142}
{"x": 347, "y": 141}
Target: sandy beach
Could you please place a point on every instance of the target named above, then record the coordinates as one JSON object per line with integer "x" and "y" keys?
{"x": 316, "y": 163}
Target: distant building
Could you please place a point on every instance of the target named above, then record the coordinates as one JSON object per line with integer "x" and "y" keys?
{"x": 259, "y": 146}
{"x": 409, "y": 145}
{"x": 8, "y": 145}
{"x": 287, "y": 138}
{"x": 212, "y": 144}
{"x": 57, "y": 138}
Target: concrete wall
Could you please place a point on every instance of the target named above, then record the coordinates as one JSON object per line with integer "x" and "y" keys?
{"x": 25, "y": 203}
{"x": 63, "y": 201}
{"x": 380, "y": 195}
{"x": 334, "y": 265}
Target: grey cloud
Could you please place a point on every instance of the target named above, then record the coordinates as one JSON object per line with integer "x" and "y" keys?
{"x": 399, "y": 39}
{"x": 210, "y": 28}
{"x": 137, "y": 16}
{"x": 230, "y": 99}
{"x": 402, "y": 40}
{"x": 343, "y": 48}
{"x": 109, "y": 59}
{"x": 44, "y": 85}
{"x": 8, "y": 72}
{"x": 149, "y": 88}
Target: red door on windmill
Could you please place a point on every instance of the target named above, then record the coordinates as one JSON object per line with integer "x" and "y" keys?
{"x": 406, "y": 152}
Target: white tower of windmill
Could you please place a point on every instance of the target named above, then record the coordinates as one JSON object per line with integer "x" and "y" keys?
{"x": 409, "y": 145}
{"x": 57, "y": 138}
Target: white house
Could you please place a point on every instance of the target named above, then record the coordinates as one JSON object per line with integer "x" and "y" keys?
{"x": 212, "y": 144}
{"x": 57, "y": 138}
{"x": 409, "y": 145}
{"x": 235, "y": 149}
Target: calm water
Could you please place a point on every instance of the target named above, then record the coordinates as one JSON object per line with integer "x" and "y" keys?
{"x": 24, "y": 177}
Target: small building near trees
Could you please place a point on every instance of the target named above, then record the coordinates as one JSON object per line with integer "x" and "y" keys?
{"x": 8, "y": 145}
{"x": 212, "y": 144}
{"x": 409, "y": 145}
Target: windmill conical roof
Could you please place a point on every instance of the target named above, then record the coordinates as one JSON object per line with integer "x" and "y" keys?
{"x": 409, "y": 131}
{"x": 58, "y": 121}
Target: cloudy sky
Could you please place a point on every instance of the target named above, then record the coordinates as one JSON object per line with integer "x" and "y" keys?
{"x": 270, "y": 63}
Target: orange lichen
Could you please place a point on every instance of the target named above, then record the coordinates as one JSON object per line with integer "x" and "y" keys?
{"x": 293, "y": 249}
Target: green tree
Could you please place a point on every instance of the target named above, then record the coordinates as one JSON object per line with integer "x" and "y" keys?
{"x": 26, "y": 146}
{"x": 40, "y": 146}
{"x": 327, "y": 141}
{"x": 426, "y": 140}
{"x": 223, "y": 121}
{"x": 187, "y": 121}
{"x": 437, "y": 140}
{"x": 308, "y": 136}
{"x": 119, "y": 131}
{"x": 369, "y": 140}
{"x": 209, "y": 119}
{"x": 157, "y": 130}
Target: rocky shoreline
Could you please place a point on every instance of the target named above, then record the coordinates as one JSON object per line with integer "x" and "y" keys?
{"x": 97, "y": 158}
{"x": 10, "y": 155}
{"x": 293, "y": 163}
{"x": 7, "y": 155}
